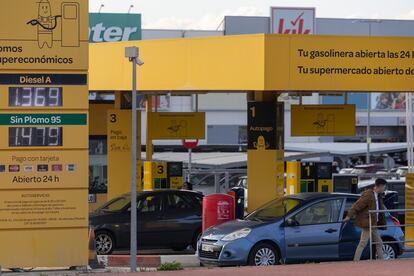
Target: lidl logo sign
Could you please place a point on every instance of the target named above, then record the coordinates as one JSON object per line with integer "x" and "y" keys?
{"x": 112, "y": 27}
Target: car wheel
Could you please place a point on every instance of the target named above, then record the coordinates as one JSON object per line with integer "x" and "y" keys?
{"x": 104, "y": 243}
{"x": 197, "y": 237}
{"x": 264, "y": 254}
{"x": 390, "y": 252}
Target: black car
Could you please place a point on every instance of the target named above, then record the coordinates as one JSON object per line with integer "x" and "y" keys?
{"x": 166, "y": 219}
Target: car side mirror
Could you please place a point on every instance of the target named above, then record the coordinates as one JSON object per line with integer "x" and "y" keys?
{"x": 291, "y": 222}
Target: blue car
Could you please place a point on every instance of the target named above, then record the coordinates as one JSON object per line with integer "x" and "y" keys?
{"x": 298, "y": 228}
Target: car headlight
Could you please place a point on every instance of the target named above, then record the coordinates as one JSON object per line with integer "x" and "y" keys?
{"x": 237, "y": 234}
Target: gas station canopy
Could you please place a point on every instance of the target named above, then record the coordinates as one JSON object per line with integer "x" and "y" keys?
{"x": 224, "y": 160}
{"x": 346, "y": 149}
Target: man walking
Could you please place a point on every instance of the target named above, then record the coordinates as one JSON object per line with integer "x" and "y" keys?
{"x": 370, "y": 200}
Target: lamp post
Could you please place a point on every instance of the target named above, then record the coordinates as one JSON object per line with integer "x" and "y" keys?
{"x": 130, "y": 8}
{"x": 101, "y": 7}
{"x": 132, "y": 53}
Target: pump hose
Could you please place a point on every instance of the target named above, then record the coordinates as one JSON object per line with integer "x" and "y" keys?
{"x": 35, "y": 22}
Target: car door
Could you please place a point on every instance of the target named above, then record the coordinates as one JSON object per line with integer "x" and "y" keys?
{"x": 183, "y": 215}
{"x": 350, "y": 235}
{"x": 314, "y": 235}
{"x": 151, "y": 221}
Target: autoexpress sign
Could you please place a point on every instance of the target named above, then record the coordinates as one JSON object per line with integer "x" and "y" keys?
{"x": 112, "y": 27}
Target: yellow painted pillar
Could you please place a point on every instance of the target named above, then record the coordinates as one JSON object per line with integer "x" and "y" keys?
{"x": 265, "y": 155}
{"x": 148, "y": 147}
{"x": 119, "y": 142}
{"x": 292, "y": 177}
{"x": 409, "y": 204}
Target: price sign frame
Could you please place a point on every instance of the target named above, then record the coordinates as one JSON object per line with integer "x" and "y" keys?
{"x": 73, "y": 97}
{"x": 35, "y": 97}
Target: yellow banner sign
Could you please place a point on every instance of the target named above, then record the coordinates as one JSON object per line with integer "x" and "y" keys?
{"x": 177, "y": 125}
{"x": 323, "y": 120}
{"x": 46, "y": 34}
{"x": 351, "y": 63}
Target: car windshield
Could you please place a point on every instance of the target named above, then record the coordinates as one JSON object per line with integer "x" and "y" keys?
{"x": 274, "y": 209}
{"x": 402, "y": 172}
{"x": 359, "y": 171}
{"x": 116, "y": 204}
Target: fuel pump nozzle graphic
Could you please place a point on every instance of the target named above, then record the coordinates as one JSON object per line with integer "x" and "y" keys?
{"x": 45, "y": 23}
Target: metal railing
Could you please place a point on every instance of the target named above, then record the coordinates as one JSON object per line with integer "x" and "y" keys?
{"x": 371, "y": 227}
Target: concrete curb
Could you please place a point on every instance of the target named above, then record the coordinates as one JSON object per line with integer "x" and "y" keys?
{"x": 150, "y": 261}
{"x": 184, "y": 260}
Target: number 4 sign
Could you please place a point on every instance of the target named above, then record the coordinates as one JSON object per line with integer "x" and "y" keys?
{"x": 292, "y": 20}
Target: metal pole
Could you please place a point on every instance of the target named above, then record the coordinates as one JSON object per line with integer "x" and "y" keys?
{"x": 370, "y": 236}
{"x": 190, "y": 151}
{"x": 368, "y": 161}
{"x": 134, "y": 231}
{"x": 410, "y": 96}
{"x": 409, "y": 130}
{"x": 227, "y": 180}
{"x": 217, "y": 182}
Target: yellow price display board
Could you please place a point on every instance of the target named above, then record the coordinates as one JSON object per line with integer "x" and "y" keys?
{"x": 44, "y": 133}
{"x": 177, "y": 125}
{"x": 323, "y": 120}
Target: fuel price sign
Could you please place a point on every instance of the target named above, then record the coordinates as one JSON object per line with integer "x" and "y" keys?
{"x": 49, "y": 91}
{"x": 35, "y": 96}
{"x": 35, "y": 136}
{"x": 41, "y": 130}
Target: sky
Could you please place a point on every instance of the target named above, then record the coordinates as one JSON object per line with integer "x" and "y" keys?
{"x": 208, "y": 14}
